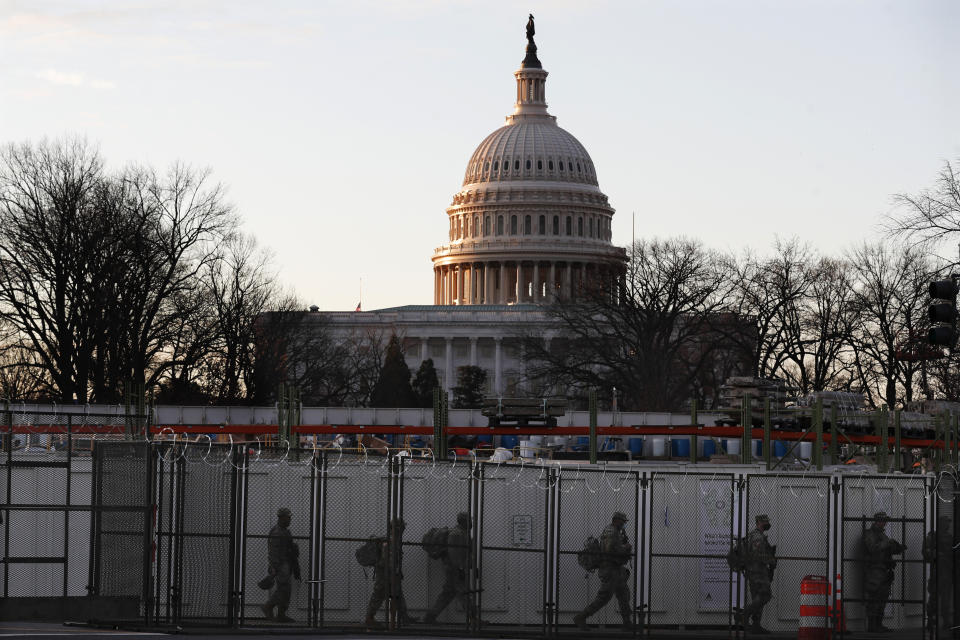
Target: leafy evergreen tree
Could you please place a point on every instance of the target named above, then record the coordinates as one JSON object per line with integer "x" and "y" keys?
{"x": 393, "y": 388}
{"x": 425, "y": 382}
{"x": 468, "y": 394}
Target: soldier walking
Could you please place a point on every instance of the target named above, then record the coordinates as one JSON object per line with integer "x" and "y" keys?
{"x": 615, "y": 550}
{"x": 456, "y": 570}
{"x": 760, "y": 563}
{"x": 938, "y": 553}
{"x": 283, "y": 559}
{"x": 879, "y": 566}
{"x": 388, "y": 577}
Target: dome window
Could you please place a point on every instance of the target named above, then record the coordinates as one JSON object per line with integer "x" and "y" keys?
{"x": 579, "y": 169}
{"x": 516, "y": 165}
{"x": 528, "y": 165}
{"x": 570, "y": 166}
{"x": 526, "y": 225}
{"x": 539, "y": 165}
{"x": 569, "y": 226}
{"x": 591, "y": 227}
{"x": 499, "y": 225}
{"x": 486, "y": 167}
{"x": 580, "y": 227}
{"x": 560, "y": 164}
{"x": 556, "y": 225}
{"x": 486, "y": 226}
{"x": 513, "y": 225}
{"x": 542, "y": 226}
{"x": 495, "y": 164}
{"x": 476, "y": 225}
{"x": 550, "y": 165}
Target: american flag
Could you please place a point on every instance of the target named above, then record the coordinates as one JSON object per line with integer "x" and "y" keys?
{"x": 358, "y": 307}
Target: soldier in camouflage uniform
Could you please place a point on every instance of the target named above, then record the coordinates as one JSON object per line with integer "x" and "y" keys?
{"x": 456, "y": 565}
{"x": 388, "y": 578}
{"x": 761, "y": 560}
{"x": 283, "y": 558}
{"x": 938, "y": 552}
{"x": 616, "y": 552}
{"x": 878, "y": 570}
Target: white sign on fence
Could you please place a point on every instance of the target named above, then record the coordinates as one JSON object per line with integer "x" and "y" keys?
{"x": 717, "y": 506}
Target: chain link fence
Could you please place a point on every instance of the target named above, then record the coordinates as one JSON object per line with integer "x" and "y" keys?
{"x": 203, "y": 533}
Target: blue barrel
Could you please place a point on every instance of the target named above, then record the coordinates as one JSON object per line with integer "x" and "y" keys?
{"x": 779, "y": 448}
{"x": 680, "y": 448}
{"x": 585, "y": 440}
{"x": 508, "y": 442}
{"x": 709, "y": 448}
{"x": 758, "y": 449}
{"x": 636, "y": 447}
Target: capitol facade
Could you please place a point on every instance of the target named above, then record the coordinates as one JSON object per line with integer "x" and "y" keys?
{"x": 528, "y": 226}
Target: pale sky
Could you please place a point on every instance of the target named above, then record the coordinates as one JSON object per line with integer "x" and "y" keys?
{"x": 342, "y": 129}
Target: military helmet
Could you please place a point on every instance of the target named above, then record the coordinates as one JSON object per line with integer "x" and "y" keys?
{"x": 283, "y": 512}
{"x": 763, "y": 518}
{"x": 881, "y": 516}
{"x": 620, "y": 515}
{"x": 464, "y": 520}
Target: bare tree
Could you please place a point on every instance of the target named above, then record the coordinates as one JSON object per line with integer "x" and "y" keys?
{"x": 47, "y": 223}
{"x": 933, "y": 214}
{"x": 655, "y": 342}
{"x": 819, "y": 329}
{"x": 889, "y": 295}
{"x": 769, "y": 290}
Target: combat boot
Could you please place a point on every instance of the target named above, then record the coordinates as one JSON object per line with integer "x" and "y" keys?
{"x": 282, "y": 615}
{"x": 757, "y": 629}
{"x": 627, "y": 622}
{"x": 267, "y": 611}
{"x": 581, "y": 621}
{"x": 371, "y": 624}
{"x": 406, "y": 618}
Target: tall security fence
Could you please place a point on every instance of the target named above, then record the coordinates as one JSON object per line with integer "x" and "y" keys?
{"x": 55, "y": 523}
{"x": 230, "y": 535}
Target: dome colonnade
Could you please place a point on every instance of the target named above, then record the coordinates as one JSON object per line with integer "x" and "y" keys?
{"x": 529, "y": 223}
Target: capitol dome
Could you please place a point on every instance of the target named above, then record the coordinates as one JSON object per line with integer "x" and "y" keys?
{"x": 530, "y": 151}
{"x": 529, "y": 223}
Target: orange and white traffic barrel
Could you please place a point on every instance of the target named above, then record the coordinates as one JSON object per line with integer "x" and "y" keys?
{"x": 814, "y": 608}
{"x": 839, "y": 620}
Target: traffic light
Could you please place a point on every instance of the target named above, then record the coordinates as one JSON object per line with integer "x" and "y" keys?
{"x": 943, "y": 313}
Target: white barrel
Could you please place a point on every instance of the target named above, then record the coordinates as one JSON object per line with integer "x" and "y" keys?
{"x": 658, "y": 445}
{"x": 733, "y": 446}
{"x": 559, "y": 441}
{"x": 536, "y": 441}
{"x": 527, "y": 450}
{"x": 806, "y": 450}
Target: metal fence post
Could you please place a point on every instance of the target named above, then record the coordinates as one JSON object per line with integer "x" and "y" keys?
{"x": 818, "y": 432}
{"x": 593, "y": 427}
{"x": 693, "y": 437}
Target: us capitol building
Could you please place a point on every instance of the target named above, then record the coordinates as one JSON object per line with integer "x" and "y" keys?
{"x": 529, "y": 225}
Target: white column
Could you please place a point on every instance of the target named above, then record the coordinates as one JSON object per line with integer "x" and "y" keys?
{"x": 468, "y": 284}
{"x": 503, "y": 284}
{"x": 424, "y": 349}
{"x": 473, "y": 352}
{"x": 498, "y": 366}
{"x": 448, "y": 382}
{"x": 459, "y": 284}
{"x": 519, "y": 287}
{"x": 552, "y": 293}
{"x": 569, "y": 286}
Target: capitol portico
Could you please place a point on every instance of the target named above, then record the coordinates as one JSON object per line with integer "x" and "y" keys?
{"x": 528, "y": 226}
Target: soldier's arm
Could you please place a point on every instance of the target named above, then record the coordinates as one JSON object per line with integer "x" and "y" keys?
{"x": 274, "y": 550}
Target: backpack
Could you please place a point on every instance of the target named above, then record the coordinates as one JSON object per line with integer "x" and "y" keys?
{"x": 589, "y": 556}
{"x": 737, "y": 556}
{"x": 434, "y": 542}
{"x": 368, "y": 553}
